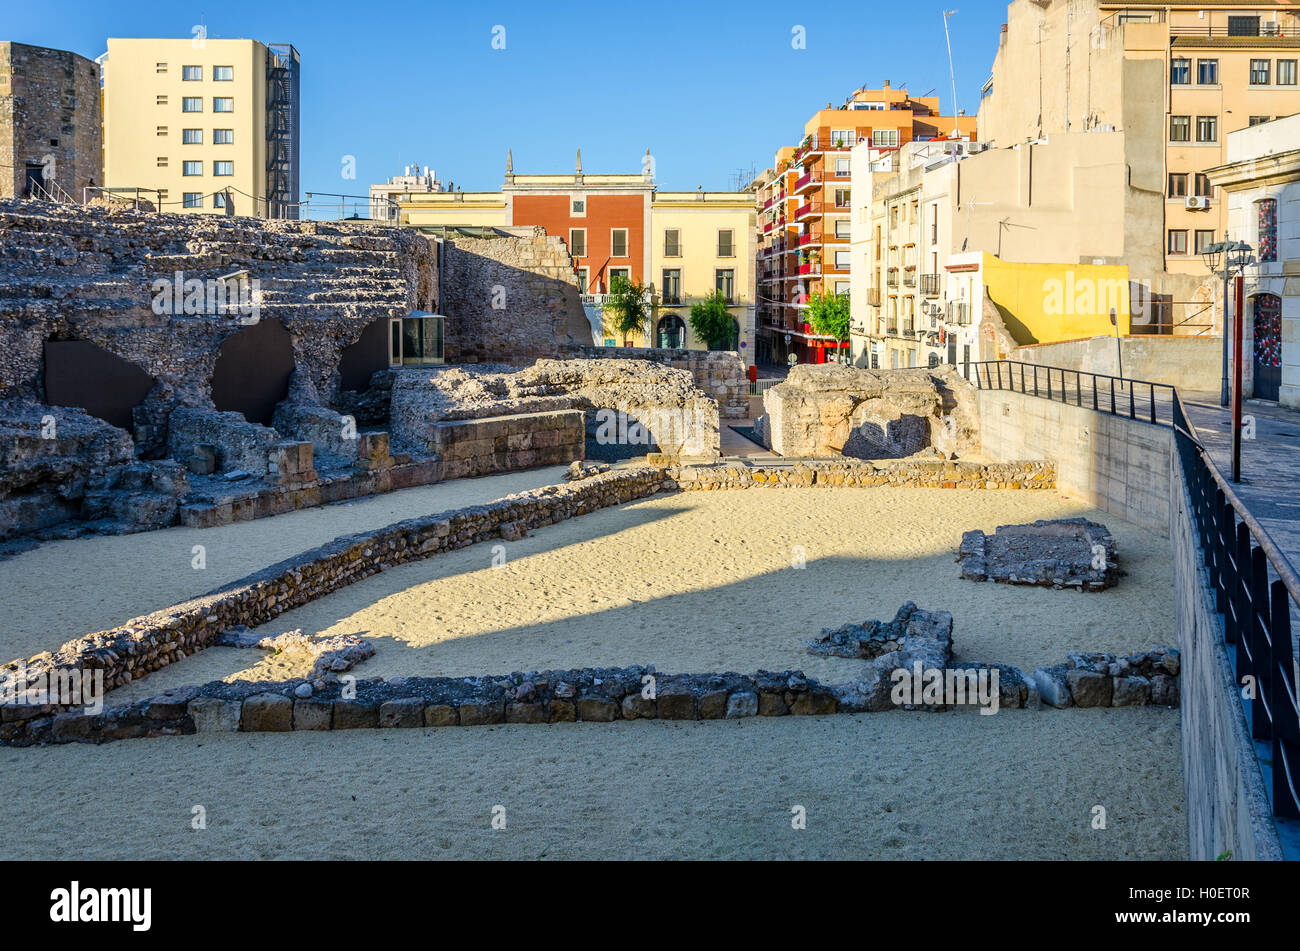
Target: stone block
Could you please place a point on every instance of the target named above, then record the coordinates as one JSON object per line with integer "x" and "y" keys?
{"x": 1130, "y": 692}
{"x": 212, "y": 715}
{"x": 712, "y": 705}
{"x": 526, "y": 713}
{"x": 355, "y": 715}
{"x": 1164, "y": 690}
{"x": 440, "y": 714}
{"x": 482, "y": 713}
{"x": 742, "y": 704}
{"x": 267, "y": 713}
{"x": 312, "y": 714}
{"x": 1089, "y": 689}
{"x": 596, "y": 709}
{"x": 772, "y": 705}
{"x": 816, "y": 703}
{"x": 406, "y": 712}
{"x": 562, "y": 711}
{"x": 1052, "y": 687}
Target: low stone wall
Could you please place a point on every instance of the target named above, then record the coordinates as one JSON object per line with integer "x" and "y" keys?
{"x": 1228, "y": 811}
{"x": 239, "y": 443}
{"x": 148, "y": 643}
{"x": 939, "y": 474}
{"x": 720, "y": 373}
{"x": 474, "y": 447}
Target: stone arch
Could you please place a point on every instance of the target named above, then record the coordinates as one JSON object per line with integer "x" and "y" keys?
{"x": 252, "y": 371}
{"x": 670, "y": 333}
{"x": 360, "y": 360}
{"x": 81, "y": 373}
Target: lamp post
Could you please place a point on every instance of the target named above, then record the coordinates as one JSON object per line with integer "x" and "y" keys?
{"x": 1234, "y": 256}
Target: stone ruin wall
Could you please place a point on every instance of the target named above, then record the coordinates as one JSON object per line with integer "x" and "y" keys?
{"x": 831, "y": 410}
{"x": 720, "y": 373}
{"x": 510, "y": 300}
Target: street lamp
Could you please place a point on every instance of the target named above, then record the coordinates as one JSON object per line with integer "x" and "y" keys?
{"x": 1233, "y": 256}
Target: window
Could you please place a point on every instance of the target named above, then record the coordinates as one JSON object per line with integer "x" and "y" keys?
{"x": 842, "y": 259}
{"x": 415, "y": 340}
{"x": 1286, "y": 72}
{"x": 1177, "y": 184}
{"x": 194, "y": 199}
{"x": 842, "y": 287}
{"x": 192, "y": 136}
{"x": 672, "y": 243}
{"x": 218, "y": 200}
{"x": 841, "y": 137}
{"x": 884, "y": 138}
{"x": 1177, "y": 242}
{"x": 223, "y": 136}
{"x": 724, "y": 280}
{"x": 578, "y": 207}
{"x": 162, "y": 130}
{"x": 619, "y": 275}
{"x": 162, "y": 100}
{"x": 1259, "y": 71}
{"x": 1207, "y": 128}
{"x": 1258, "y": 120}
{"x": 223, "y": 169}
{"x": 223, "y": 104}
{"x": 842, "y": 168}
{"x": 726, "y": 243}
{"x": 1207, "y": 72}
{"x": 1267, "y": 243}
{"x": 582, "y": 280}
{"x": 672, "y": 286}
{"x": 191, "y": 74}
{"x": 1203, "y": 187}
{"x": 1203, "y": 240}
{"x": 1243, "y": 26}
{"x": 191, "y": 168}
{"x": 160, "y": 67}
{"x": 162, "y": 161}
{"x": 1180, "y": 71}
{"x": 191, "y": 104}
{"x": 618, "y": 242}
{"x": 1180, "y": 128}
{"x": 842, "y": 198}
{"x": 223, "y": 74}
{"x": 843, "y": 227}
{"x": 578, "y": 242}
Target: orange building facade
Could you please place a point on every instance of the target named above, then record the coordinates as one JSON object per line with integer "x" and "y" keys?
{"x": 805, "y": 209}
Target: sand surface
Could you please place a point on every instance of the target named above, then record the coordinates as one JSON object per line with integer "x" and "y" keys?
{"x": 62, "y": 590}
{"x": 1017, "y": 785}
{"x": 703, "y": 581}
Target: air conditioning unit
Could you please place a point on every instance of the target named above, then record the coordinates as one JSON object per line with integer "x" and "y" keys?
{"x": 1197, "y": 203}
{"x": 1270, "y": 28}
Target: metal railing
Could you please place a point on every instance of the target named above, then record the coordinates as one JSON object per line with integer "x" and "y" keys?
{"x": 930, "y": 285}
{"x": 1257, "y": 592}
{"x": 1255, "y": 587}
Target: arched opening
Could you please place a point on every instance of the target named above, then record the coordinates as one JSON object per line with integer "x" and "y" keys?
{"x": 1268, "y": 345}
{"x": 670, "y": 334}
{"x": 80, "y": 373}
{"x": 253, "y": 370}
{"x": 364, "y": 358}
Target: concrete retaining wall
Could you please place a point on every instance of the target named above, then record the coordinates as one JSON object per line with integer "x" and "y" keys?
{"x": 1190, "y": 363}
{"x": 1228, "y": 812}
{"x": 1118, "y": 464}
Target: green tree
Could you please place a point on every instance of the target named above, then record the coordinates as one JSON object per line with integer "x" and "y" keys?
{"x": 625, "y": 307}
{"x": 713, "y": 323}
{"x": 829, "y": 315}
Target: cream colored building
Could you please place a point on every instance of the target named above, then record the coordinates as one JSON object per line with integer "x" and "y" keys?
{"x": 451, "y": 209}
{"x": 203, "y": 126}
{"x": 700, "y": 243}
{"x": 1176, "y": 77}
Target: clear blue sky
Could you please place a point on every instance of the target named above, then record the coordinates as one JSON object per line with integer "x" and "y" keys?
{"x": 709, "y": 87}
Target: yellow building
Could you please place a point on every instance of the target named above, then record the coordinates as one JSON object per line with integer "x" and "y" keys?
{"x": 452, "y": 209}
{"x": 702, "y": 243}
{"x": 201, "y": 125}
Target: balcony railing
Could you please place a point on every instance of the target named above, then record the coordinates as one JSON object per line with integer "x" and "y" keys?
{"x": 958, "y": 313}
{"x": 806, "y": 238}
{"x": 808, "y": 182}
{"x": 892, "y": 278}
{"x": 930, "y": 285}
{"x": 873, "y": 297}
{"x": 909, "y": 277}
{"x": 807, "y": 210}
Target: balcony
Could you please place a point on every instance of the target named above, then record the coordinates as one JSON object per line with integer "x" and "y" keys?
{"x": 959, "y": 313}
{"x": 806, "y": 238}
{"x": 807, "y": 210}
{"x": 909, "y": 277}
{"x": 909, "y": 327}
{"x": 873, "y": 297}
{"x": 808, "y": 182}
{"x": 891, "y": 328}
{"x": 811, "y": 269}
{"x": 930, "y": 285}
{"x": 892, "y": 279}
{"x": 767, "y": 228}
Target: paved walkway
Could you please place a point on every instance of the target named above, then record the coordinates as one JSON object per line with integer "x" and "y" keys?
{"x": 1270, "y": 463}
{"x": 734, "y": 444}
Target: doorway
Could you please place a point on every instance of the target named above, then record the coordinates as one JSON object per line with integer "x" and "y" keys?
{"x": 1268, "y": 346}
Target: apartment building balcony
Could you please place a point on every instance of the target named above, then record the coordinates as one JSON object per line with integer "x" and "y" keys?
{"x": 909, "y": 327}
{"x": 768, "y": 226}
{"x": 909, "y": 277}
{"x": 807, "y": 238}
{"x": 873, "y": 297}
{"x": 892, "y": 277}
{"x": 809, "y": 182}
{"x": 810, "y": 209}
{"x": 811, "y": 269}
{"x": 959, "y": 313}
{"x": 891, "y": 328}
{"x": 768, "y": 204}
{"x": 930, "y": 285}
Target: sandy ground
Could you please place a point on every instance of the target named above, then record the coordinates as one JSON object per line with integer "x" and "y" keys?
{"x": 697, "y": 582}
{"x": 1018, "y": 785}
{"x": 62, "y": 590}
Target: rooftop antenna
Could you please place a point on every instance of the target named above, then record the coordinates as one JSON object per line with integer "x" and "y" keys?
{"x": 951, "y": 72}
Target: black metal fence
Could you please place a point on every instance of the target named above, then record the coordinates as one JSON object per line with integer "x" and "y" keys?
{"x": 1255, "y": 587}
{"x": 1257, "y": 592}
{"x": 1119, "y": 396}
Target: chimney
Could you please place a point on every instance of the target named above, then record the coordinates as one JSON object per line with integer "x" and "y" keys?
{"x": 886, "y": 86}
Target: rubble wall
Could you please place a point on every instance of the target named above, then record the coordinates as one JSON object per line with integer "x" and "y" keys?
{"x": 720, "y": 373}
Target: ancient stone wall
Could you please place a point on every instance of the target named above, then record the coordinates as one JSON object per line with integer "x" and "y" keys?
{"x": 912, "y": 474}
{"x": 831, "y": 410}
{"x": 510, "y": 300}
{"x": 720, "y": 373}
{"x": 681, "y": 419}
{"x": 49, "y": 117}
{"x": 474, "y": 447}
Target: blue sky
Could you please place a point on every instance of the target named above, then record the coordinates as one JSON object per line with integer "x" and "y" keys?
{"x": 709, "y": 88}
